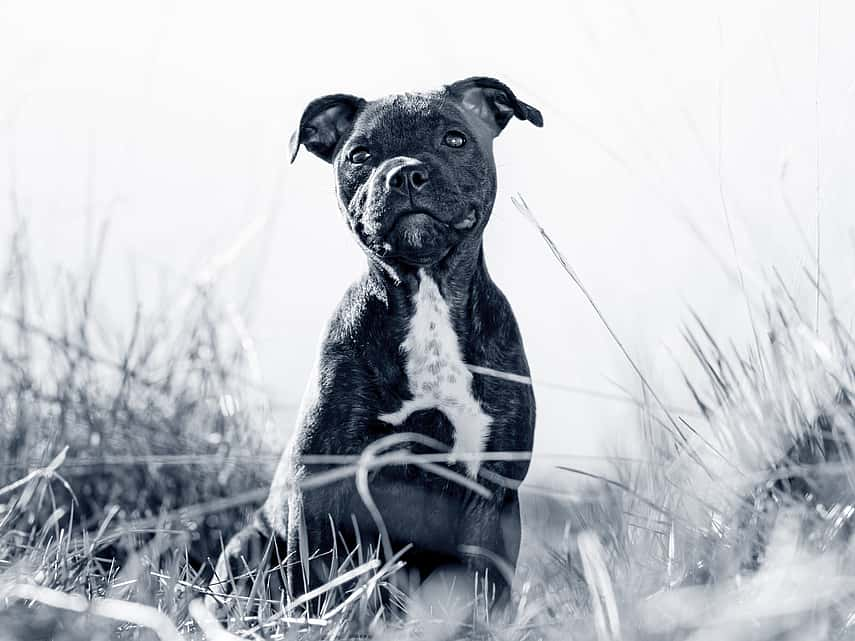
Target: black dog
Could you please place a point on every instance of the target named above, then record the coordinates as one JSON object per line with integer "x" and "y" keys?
{"x": 416, "y": 180}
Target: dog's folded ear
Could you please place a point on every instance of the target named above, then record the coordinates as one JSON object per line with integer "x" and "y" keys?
{"x": 493, "y": 102}
{"x": 325, "y": 120}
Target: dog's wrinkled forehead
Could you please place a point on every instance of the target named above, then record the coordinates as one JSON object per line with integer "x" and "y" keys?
{"x": 404, "y": 120}
{"x": 399, "y": 111}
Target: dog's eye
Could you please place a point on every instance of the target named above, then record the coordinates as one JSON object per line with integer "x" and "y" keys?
{"x": 454, "y": 139}
{"x": 359, "y": 155}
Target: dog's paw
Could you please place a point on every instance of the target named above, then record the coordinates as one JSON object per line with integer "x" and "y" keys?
{"x": 249, "y": 574}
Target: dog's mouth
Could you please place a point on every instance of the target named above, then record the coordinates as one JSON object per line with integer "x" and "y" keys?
{"x": 421, "y": 238}
{"x": 468, "y": 221}
{"x": 416, "y": 220}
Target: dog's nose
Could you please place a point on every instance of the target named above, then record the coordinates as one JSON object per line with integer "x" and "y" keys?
{"x": 403, "y": 178}
{"x": 418, "y": 176}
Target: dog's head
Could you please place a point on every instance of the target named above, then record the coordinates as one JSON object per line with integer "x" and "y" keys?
{"x": 415, "y": 174}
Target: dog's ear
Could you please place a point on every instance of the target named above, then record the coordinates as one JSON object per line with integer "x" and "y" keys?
{"x": 325, "y": 120}
{"x": 493, "y": 102}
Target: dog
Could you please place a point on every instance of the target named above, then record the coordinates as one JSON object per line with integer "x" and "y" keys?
{"x": 423, "y": 352}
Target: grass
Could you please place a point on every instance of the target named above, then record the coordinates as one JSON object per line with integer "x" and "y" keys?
{"x": 126, "y": 460}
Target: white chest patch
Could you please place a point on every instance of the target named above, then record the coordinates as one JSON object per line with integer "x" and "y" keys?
{"x": 438, "y": 377}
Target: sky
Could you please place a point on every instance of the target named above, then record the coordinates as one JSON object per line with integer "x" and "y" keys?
{"x": 690, "y": 150}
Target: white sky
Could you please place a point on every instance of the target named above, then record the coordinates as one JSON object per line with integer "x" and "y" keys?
{"x": 171, "y": 119}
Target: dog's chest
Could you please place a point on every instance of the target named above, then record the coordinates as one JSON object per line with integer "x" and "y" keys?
{"x": 438, "y": 377}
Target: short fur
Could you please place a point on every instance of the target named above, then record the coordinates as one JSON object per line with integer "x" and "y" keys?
{"x": 393, "y": 358}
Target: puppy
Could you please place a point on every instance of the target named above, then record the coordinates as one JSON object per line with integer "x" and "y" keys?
{"x": 423, "y": 352}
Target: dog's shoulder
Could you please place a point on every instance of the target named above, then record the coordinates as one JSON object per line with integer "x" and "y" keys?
{"x": 341, "y": 390}
{"x": 361, "y": 317}
{"x": 492, "y": 316}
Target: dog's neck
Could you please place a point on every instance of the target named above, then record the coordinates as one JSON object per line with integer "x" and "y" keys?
{"x": 456, "y": 275}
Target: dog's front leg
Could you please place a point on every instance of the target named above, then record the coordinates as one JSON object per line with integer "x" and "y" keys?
{"x": 250, "y": 572}
{"x": 319, "y": 536}
{"x": 293, "y": 532}
{"x": 489, "y": 540}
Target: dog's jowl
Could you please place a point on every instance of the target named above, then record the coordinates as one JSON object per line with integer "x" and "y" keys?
{"x": 411, "y": 356}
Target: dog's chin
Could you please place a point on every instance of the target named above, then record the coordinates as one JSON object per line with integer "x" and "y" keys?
{"x": 416, "y": 259}
{"x": 417, "y": 238}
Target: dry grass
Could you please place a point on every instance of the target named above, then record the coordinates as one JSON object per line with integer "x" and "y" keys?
{"x": 125, "y": 460}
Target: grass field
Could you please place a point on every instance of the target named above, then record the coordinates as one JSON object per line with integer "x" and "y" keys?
{"x": 127, "y": 455}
